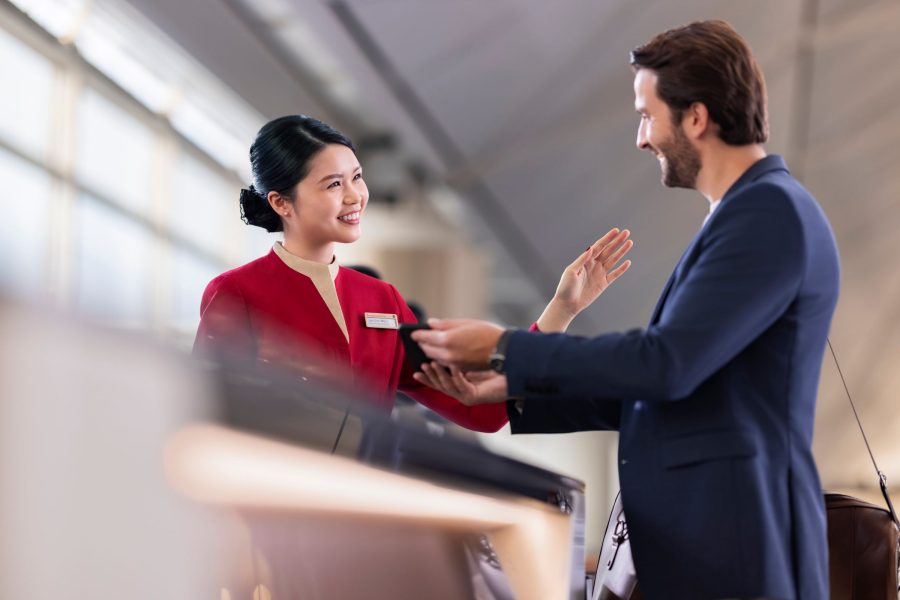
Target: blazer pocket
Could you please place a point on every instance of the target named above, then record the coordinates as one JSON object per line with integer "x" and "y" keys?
{"x": 689, "y": 450}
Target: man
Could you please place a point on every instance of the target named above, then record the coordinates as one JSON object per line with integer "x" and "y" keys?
{"x": 715, "y": 400}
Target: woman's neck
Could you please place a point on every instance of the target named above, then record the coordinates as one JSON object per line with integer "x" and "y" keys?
{"x": 320, "y": 253}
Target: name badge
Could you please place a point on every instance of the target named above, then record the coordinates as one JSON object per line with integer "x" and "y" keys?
{"x": 382, "y": 321}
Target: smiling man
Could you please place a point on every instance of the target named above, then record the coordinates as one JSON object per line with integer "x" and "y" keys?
{"x": 715, "y": 399}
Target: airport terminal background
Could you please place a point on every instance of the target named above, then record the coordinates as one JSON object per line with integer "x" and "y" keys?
{"x": 123, "y": 146}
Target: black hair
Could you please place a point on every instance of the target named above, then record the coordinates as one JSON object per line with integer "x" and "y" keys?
{"x": 279, "y": 159}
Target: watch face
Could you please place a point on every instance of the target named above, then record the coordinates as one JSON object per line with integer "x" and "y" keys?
{"x": 497, "y": 363}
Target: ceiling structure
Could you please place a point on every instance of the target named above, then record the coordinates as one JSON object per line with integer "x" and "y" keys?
{"x": 526, "y": 108}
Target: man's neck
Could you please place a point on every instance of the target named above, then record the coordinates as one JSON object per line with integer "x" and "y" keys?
{"x": 723, "y": 165}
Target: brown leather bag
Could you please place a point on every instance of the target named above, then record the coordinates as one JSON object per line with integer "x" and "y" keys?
{"x": 863, "y": 550}
{"x": 863, "y": 539}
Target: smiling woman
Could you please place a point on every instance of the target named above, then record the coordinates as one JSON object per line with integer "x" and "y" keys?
{"x": 296, "y": 307}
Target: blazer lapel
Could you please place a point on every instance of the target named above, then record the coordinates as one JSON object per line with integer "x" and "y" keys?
{"x": 676, "y": 275}
{"x": 662, "y": 299}
{"x": 769, "y": 163}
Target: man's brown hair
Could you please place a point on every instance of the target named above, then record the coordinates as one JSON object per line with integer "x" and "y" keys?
{"x": 709, "y": 62}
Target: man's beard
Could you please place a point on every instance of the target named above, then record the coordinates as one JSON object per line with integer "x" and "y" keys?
{"x": 682, "y": 162}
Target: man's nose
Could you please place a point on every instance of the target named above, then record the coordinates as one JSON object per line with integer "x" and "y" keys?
{"x": 641, "y": 141}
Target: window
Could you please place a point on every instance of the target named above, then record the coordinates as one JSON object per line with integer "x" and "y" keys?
{"x": 115, "y": 152}
{"x": 203, "y": 204}
{"x": 24, "y": 226}
{"x": 114, "y": 264}
{"x": 190, "y": 274}
{"x": 108, "y": 208}
{"x": 25, "y": 103}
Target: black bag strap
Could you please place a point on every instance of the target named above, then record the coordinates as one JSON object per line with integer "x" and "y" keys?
{"x": 882, "y": 480}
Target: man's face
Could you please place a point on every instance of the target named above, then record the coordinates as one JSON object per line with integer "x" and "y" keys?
{"x": 678, "y": 159}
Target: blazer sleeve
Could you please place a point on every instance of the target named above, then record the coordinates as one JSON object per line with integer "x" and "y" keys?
{"x": 550, "y": 416}
{"x": 747, "y": 272}
{"x": 225, "y": 331}
{"x": 484, "y": 417}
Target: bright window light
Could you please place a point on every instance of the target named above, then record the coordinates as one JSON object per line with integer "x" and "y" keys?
{"x": 115, "y": 152}
{"x": 129, "y": 49}
{"x": 28, "y": 79}
{"x": 61, "y": 18}
{"x": 23, "y": 228}
{"x": 131, "y": 75}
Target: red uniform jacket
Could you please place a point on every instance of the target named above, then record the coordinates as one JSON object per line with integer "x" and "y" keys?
{"x": 266, "y": 311}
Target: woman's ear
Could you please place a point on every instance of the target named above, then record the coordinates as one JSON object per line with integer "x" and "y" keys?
{"x": 279, "y": 203}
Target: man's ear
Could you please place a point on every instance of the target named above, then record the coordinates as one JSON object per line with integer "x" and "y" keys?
{"x": 695, "y": 121}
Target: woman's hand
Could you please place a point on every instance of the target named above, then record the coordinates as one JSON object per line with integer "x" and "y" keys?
{"x": 585, "y": 279}
{"x": 472, "y": 388}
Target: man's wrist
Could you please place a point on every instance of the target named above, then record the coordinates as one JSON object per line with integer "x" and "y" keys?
{"x": 497, "y": 359}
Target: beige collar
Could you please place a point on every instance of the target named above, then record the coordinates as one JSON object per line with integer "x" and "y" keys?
{"x": 310, "y": 268}
{"x": 322, "y": 277}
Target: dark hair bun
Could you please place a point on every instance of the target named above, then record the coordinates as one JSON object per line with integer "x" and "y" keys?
{"x": 256, "y": 210}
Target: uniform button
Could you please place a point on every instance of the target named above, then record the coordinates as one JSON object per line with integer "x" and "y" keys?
{"x": 624, "y": 461}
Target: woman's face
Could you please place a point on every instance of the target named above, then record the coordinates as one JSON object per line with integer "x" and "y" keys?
{"x": 329, "y": 201}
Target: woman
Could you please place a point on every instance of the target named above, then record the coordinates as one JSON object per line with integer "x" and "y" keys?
{"x": 297, "y": 302}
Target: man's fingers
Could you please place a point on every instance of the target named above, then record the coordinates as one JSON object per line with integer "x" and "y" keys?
{"x": 444, "y": 324}
{"x": 438, "y": 353}
{"x": 429, "y": 336}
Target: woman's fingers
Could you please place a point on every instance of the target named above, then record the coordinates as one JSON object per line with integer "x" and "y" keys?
{"x": 581, "y": 259}
{"x": 425, "y": 379}
{"x": 430, "y": 376}
{"x": 606, "y": 238}
{"x": 615, "y": 273}
{"x": 461, "y": 382}
{"x": 619, "y": 253}
{"x": 611, "y": 246}
{"x": 594, "y": 249}
{"x": 440, "y": 374}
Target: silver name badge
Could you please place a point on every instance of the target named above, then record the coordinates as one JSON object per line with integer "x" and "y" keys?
{"x": 382, "y": 321}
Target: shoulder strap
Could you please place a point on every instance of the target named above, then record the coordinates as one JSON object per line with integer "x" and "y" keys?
{"x": 882, "y": 480}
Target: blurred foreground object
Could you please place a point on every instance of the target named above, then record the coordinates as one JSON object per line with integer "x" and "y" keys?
{"x": 127, "y": 470}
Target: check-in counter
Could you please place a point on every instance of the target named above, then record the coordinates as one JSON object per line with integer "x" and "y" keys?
{"x": 128, "y": 470}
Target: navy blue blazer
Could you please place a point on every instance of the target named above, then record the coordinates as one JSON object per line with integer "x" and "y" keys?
{"x": 714, "y": 401}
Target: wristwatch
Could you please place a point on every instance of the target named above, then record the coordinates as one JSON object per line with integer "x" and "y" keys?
{"x": 497, "y": 359}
